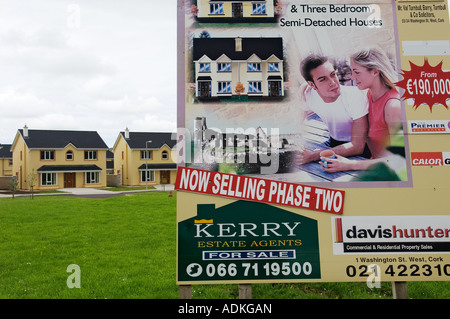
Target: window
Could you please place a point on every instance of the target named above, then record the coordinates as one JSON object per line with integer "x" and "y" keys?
{"x": 205, "y": 67}
{"x": 216, "y": 8}
{"x": 224, "y": 87}
{"x": 47, "y": 155}
{"x": 48, "y": 179}
{"x": 92, "y": 177}
{"x": 147, "y": 176}
{"x": 224, "y": 67}
{"x": 254, "y": 87}
{"x": 146, "y": 154}
{"x": 69, "y": 156}
{"x": 254, "y": 67}
{"x": 90, "y": 155}
{"x": 273, "y": 67}
{"x": 165, "y": 155}
{"x": 259, "y": 8}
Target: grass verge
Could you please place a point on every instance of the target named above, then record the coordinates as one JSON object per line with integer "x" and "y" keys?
{"x": 125, "y": 247}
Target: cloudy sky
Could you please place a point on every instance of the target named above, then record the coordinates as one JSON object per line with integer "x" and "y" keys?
{"x": 99, "y": 65}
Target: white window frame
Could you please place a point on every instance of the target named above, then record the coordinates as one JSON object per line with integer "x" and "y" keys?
{"x": 216, "y": 8}
{"x": 224, "y": 67}
{"x": 147, "y": 175}
{"x": 254, "y": 67}
{"x": 146, "y": 154}
{"x": 254, "y": 87}
{"x": 204, "y": 68}
{"x": 90, "y": 155}
{"x": 48, "y": 155}
{"x": 223, "y": 87}
{"x": 71, "y": 154}
{"x": 48, "y": 179}
{"x": 274, "y": 67}
{"x": 258, "y": 8}
{"x": 92, "y": 178}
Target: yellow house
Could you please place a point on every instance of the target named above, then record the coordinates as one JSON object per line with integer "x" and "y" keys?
{"x": 5, "y": 160}
{"x": 53, "y": 159}
{"x": 145, "y": 158}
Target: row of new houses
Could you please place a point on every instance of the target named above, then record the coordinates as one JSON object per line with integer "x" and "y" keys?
{"x": 67, "y": 159}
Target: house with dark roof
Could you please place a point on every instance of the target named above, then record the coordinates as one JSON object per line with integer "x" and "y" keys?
{"x": 6, "y": 160}
{"x": 145, "y": 158}
{"x": 236, "y": 10}
{"x": 52, "y": 159}
{"x": 224, "y": 67}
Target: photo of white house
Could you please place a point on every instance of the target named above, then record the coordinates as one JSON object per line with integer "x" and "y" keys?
{"x": 226, "y": 67}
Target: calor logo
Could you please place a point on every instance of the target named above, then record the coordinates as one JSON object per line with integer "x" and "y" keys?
{"x": 430, "y": 158}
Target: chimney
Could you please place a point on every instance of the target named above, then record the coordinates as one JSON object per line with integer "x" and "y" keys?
{"x": 238, "y": 44}
{"x": 25, "y": 131}
{"x": 127, "y": 133}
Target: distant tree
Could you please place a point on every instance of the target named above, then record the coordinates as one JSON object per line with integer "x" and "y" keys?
{"x": 239, "y": 88}
{"x": 13, "y": 186}
{"x": 32, "y": 179}
{"x": 194, "y": 10}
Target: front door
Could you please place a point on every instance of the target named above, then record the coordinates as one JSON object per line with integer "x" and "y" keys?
{"x": 274, "y": 88}
{"x": 205, "y": 89}
{"x": 165, "y": 177}
{"x": 69, "y": 180}
{"x": 237, "y": 10}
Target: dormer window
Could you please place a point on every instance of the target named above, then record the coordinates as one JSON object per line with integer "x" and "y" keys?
{"x": 273, "y": 67}
{"x": 205, "y": 67}
{"x": 165, "y": 155}
{"x": 69, "y": 156}
{"x": 254, "y": 67}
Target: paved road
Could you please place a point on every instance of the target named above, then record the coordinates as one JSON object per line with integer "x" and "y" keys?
{"x": 92, "y": 192}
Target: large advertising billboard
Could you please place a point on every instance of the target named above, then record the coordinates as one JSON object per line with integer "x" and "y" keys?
{"x": 313, "y": 141}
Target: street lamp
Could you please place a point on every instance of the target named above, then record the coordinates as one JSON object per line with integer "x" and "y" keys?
{"x": 146, "y": 165}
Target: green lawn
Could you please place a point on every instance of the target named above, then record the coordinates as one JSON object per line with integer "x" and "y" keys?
{"x": 125, "y": 248}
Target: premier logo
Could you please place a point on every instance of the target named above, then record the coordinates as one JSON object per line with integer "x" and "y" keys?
{"x": 431, "y": 126}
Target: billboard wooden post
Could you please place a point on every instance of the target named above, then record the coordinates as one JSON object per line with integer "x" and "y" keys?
{"x": 245, "y": 291}
{"x": 185, "y": 292}
{"x": 399, "y": 290}
{"x": 248, "y": 210}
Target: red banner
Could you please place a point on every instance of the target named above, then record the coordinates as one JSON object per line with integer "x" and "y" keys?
{"x": 261, "y": 190}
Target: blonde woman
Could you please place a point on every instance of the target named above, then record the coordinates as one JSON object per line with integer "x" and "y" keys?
{"x": 372, "y": 71}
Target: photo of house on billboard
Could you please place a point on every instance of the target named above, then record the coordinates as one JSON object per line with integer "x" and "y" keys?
{"x": 298, "y": 82}
{"x": 235, "y": 11}
{"x": 227, "y": 67}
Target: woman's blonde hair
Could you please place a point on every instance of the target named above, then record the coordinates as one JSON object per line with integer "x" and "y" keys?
{"x": 376, "y": 58}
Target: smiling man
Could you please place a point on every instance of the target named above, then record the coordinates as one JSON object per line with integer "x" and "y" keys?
{"x": 342, "y": 108}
